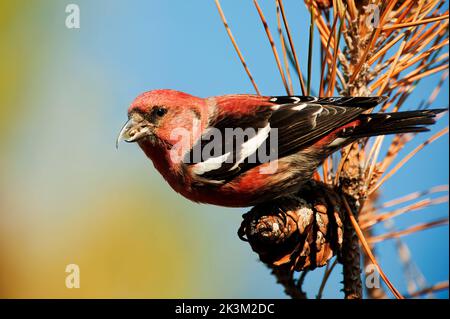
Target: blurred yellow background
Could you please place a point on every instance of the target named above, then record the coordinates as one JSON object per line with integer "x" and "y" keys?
{"x": 67, "y": 196}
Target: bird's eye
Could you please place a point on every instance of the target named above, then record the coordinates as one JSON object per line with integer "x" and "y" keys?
{"x": 160, "y": 111}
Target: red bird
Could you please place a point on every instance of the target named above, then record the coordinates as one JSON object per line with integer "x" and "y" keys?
{"x": 241, "y": 150}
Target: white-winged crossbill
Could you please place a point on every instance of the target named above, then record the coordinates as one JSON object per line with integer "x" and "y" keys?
{"x": 241, "y": 150}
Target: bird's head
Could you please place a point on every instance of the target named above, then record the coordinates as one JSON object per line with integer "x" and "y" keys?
{"x": 159, "y": 116}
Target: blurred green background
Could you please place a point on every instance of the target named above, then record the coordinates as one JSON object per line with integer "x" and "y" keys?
{"x": 67, "y": 196}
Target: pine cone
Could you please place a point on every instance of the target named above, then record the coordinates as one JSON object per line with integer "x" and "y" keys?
{"x": 302, "y": 231}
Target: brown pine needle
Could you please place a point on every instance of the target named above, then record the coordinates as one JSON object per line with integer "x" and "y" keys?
{"x": 310, "y": 51}
{"x": 374, "y": 219}
{"x": 352, "y": 9}
{"x": 398, "y": 55}
{"x": 387, "y": 77}
{"x": 404, "y": 11}
{"x": 405, "y": 93}
{"x": 398, "y": 143}
{"x": 325, "y": 169}
{"x": 316, "y": 176}
{"x": 272, "y": 44}
{"x": 376, "y": 151}
{"x": 427, "y": 37}
{"x": 415, "y": 195}
{"x": 320, "y": 24}
{"x": 334, "y": 67}
{"x": 437, "y": 287}
{"x": 385, "y": 49}
{"x": 283, "y": 48}
{"x": 422, "y": 34}
{"x": 326, "y": 275}
{"x": 408, "y": 60}
{"x": 393, "y": 66}
{"x": 372, "y": 152}
{"x": 345, "y": 154}
{"x": 421, "y": 69}
{"x": 416, "y": 23}
{"x": 326, "y": 56}
{"x": 408, "y": 157}
{"x": 429, "y": 7}
{"x": 363, "y": 58}
{"x": 423, "y": 55}
{"x": 436, "y": 90}
{"x": 368, "y": 250}
{"x": 408, "y": 231}
{"x": 375, "y": 35}
{"x": 422, "y": 75}
{"x": 291, "y": 44}
{"x": 401, "y": 10}
{"x": 233, "y": 41}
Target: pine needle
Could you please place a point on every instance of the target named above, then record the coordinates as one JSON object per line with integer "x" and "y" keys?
{"x": 291, "y": 43}
{"x": 408, "y": 231}
{"x": 415, "y": 23}
{"x": 437, "y": 287}
{"x": 408, "y": 157}
{"x": 368, "y": 250}
{"x": 415, "y": 195}
{"x": 284, "y": 50}
{"x": 310, "y": 51}
{"x": 327, "y": 55}
{"x": 272, "y": 44}
{"x": 374, "y": 219}
{"x": 233, "y": 41}
{"x": 326, "y": 275}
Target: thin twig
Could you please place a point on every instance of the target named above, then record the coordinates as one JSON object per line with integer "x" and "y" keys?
{"x": 310, "y": 51}
{"x": 415, "y": 195}
{"x": 416, "y": 206}
{"x": 410, "y": 230}
{"x": 325, "y": 58}
{"x": 272, "y": 44}
{"x": 233, "y": 41}
{"x": 437, "y": 287}
{"x": 326, "y": 275}
{"x": 334, "y": 66}
{"x": 408, "y": 157}
{"x": 415, "y": 23}
{"x": 284, "y": 50}
{"x": 291, "y": 43}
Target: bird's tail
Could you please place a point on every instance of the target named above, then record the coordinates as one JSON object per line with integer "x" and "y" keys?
{"x": 393, "y": 123}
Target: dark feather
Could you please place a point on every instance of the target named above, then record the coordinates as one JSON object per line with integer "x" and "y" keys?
{"x": 298, "y": 121}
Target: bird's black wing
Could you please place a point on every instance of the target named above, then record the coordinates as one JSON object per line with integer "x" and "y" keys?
{"x": 291, "y": 124}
